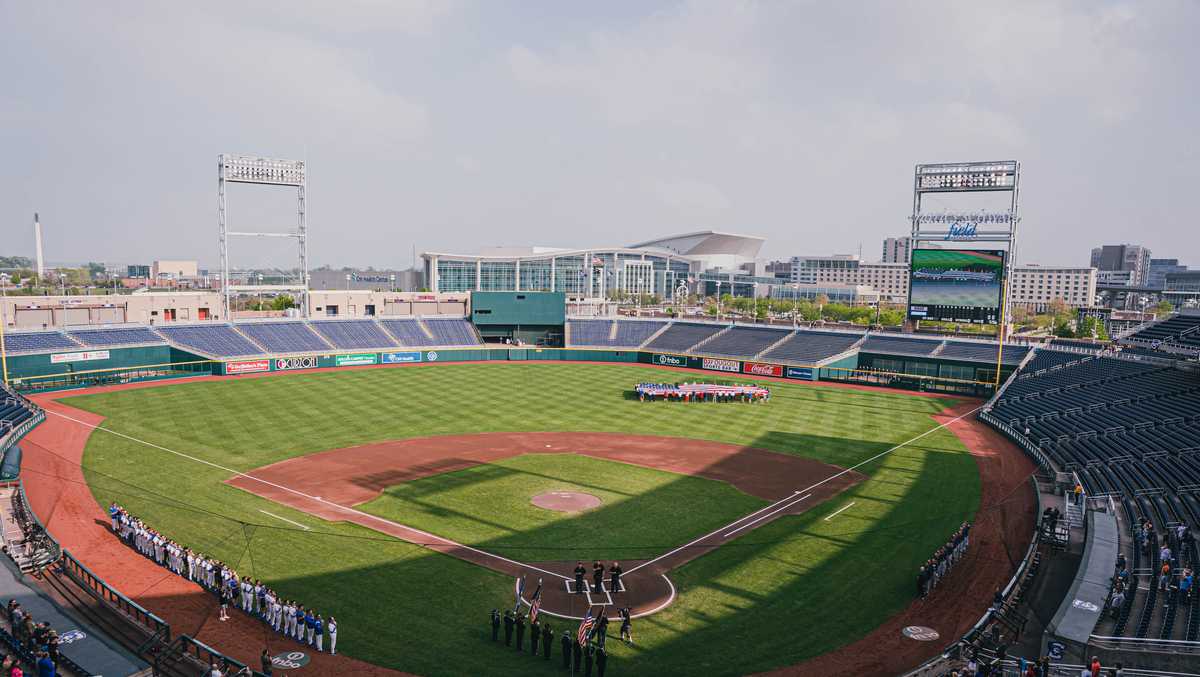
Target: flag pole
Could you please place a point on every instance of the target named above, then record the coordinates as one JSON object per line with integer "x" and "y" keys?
{"x": 3, "y": 322}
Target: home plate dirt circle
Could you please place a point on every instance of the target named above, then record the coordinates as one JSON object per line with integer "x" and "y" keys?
{"x": 566, "y": 501}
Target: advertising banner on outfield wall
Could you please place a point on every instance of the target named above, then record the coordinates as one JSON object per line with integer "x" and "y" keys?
{"x": 355, "y": 359}
{"x": 805, "y": 373}
{"x": 402, "y": 357}
{"x": 714, "y": 364}
{"x": 670, "y": 360}
{"x": 762, "y": 369}
{"x": 290, "y": 363}
{"x": 85, "y": 356}
{"x": 247, "y": 367}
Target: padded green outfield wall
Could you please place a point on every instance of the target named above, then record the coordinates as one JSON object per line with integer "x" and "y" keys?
{"x": 95, "y": 360}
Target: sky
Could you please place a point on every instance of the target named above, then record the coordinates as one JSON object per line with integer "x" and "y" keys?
{"x": 452, "y": 126}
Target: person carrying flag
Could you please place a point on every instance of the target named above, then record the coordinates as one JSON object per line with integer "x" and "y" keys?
{"x": 566, "y": 643}
{"x": 535, "y": 634}
{"x": 520, "y": 591}
{"x": 547, "y": 639}
{"x": 508, "y": 628}
{"x": 626, "y": 626}
{"x": 521, "y": 632}
{"x": 601, "y": 630}
{"x": 535, "y": 604}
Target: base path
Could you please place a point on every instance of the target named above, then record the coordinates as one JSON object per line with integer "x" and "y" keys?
{"x": 330, "y": 483}
{"x": 999, "y": 538}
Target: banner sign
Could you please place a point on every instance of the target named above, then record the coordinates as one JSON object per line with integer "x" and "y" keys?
{"x": 402, "y": 357}
{"x": 671, "y": 360}
{"x": 289, "y": 363}
{"x": 247, "y": 367}
{"x": 355, "y": 359}
{"x": 85, "y": 356}
{"x": 762, "y": 369}
{"x": 805, "y": 373}
{"x": 714, "y": 364}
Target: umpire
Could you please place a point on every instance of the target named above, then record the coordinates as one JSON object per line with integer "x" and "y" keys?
{"x": 579, "y": 574}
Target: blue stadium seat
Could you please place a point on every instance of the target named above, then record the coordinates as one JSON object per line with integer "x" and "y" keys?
{"x": 38, "y": 342}
{"x": 219, "y": 340}
{"x": 353, "y": 334}
{"x": 118, "y": 336}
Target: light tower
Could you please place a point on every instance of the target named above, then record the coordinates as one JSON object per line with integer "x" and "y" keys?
{"x": 264, "y": 172}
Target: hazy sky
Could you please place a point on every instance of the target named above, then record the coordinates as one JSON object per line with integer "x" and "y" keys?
{"x": 455, "y": 125}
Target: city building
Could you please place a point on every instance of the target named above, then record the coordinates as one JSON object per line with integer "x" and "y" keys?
{"x": 1115, "y": 278}
{"x": 704, "y": 262}
{"x": 890, "y": 280}
{"x": 35, "y": 312}
{"x": 137, "y": 271}
{"x": 897, "y": 250}
{"x": 1183, "y": 289}
{"x": 370, "y": 280}
{"x": 1035, "y": 286}
{"x": 1157, "y": 279}
{"x": 1120, "y": 257}
{"x": 174, "y": 270}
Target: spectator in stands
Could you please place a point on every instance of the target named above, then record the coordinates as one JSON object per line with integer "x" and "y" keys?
{"x": 1117, "y": 602}
{"x": 1078, "y": 494}
{"x": 1164, "y": 579}
{"x": 1186, "y": 585}
{"x": 45, "y": 667}
{"x": 1096, "y": 666}
{"x": 1164, "y": 555}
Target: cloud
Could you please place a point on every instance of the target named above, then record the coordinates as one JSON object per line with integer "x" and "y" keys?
{"x": 690, "y": 196}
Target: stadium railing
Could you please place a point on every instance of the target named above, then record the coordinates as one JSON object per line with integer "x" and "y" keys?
{"x": 933, "y": 665}
{"x": 1175, "y": 646}
{"x": 206, "y": 655}
{"x": 89, "y": 581}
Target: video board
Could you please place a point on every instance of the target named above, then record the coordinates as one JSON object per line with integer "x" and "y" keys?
{"x": 956, "y": 285}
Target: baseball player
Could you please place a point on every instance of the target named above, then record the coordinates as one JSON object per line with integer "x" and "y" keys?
{"x": 332, "y": 635}
{"x": 319, "y": 630}
{"x": 310, "y": 624}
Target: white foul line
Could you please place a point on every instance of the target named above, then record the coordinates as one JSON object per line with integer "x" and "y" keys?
{"x": 827, "y": 479}
{"x": 318, "y": 499}
{"x": 840, "y": 511}
{"x": 756, "y": 521}
{"x": 285, "y": 520}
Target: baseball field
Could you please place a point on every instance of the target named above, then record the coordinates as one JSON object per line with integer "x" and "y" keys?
{"x": 453, "y": 453}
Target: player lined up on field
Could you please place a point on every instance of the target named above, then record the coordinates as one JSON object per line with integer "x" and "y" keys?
{"x": 286, "y": 617}
{"x": 937, "y": 567}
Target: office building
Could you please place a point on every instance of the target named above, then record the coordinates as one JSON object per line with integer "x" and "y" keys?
{"x": 1036, "y": 287}
{"x": 1124, "y": 257}
{"x": 897, "y": 250}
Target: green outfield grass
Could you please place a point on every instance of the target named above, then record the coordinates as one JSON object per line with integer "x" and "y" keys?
{"x": 488, "y": 505}
{"x": 796, "y": 588}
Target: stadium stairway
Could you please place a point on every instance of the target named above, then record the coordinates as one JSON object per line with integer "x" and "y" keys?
{"x": 655, "y": 335}
{"x": 724, "y": 331}
{"x": 425, "y": 328}
{"x": 773, "y": 346}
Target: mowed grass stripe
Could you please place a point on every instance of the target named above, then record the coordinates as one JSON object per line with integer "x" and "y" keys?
{"x": 793, "y": 589}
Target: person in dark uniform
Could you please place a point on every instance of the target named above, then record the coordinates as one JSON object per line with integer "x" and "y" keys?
{"x": 579, "y": 574}
{"x": 565, "y": 643}
{"x": 601, "y": 661}
{"x": 547, "y": 640}
{"x": 614, "y": 573}
{"x": 576, "y": 655}
{"x": 520, "y": 632}
{"x": 597, "y": 576}
{"x": 535, "y": 633}
{"x": 508, "y": 628}
{"x": 602, "y": 627}
{"x": 588, "y": 656}
{"x": 495, "y": 625}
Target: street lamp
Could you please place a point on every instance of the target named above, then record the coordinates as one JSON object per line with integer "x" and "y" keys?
{"x": 392, "y": 287}
{"x": 347, "y": 281}
{"x": 718, "y": 300}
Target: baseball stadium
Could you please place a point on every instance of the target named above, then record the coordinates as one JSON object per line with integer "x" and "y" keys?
{"x": 733, "y": 497}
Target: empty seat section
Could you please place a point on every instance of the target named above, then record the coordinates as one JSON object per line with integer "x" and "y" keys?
{"x": 452, "y": 332}
{"x": 681, "y": 336}
{"x": 284, "y": 337}
{"x": 896, "y": 345}
{"x": 407, "y": 331}
{"x": 744, "y": 341}
{"x": 39, "y": 341}
{"x": 214, "y": 339}
{"x": 121, "y": 336}
{"x": 629, "y": 333}
{"x": 353, "y": 334}
{"x": 982, "y": 352}
{"x": 808, "y": 347}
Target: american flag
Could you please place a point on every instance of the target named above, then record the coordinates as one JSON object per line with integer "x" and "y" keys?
{"x": 585, "y": 629}
{"x": 535, "y": 605}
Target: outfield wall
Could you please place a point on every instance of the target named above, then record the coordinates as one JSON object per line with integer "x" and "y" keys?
{"x": 123, "y": 365}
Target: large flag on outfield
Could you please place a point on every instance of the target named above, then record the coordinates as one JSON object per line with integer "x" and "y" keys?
{"x": 535, "y": 604}
{"x": 585, "y": 629}
{"x": 520, "y": 590}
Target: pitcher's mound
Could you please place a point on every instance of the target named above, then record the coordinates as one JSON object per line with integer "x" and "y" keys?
{"x": 565, "y": 501}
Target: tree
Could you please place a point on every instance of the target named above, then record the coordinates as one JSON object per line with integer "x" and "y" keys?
{"x": 1164, "y": 307}
{"x": 283, "y": 302}
{"x": 95, "y": 269}
{"x": 15, "y": 262}
{"x": 1062, "y": 329}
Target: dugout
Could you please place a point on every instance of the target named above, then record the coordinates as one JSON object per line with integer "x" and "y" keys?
{"x": 532, "y": 318}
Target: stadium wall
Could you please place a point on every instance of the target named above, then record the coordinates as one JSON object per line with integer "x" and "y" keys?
{"x": 86, "y": 361}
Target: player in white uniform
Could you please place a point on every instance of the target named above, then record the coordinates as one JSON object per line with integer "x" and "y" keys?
{"x": 332, "y": 625}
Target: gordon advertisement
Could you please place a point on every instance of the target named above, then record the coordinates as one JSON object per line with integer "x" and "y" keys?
{"x": 354, "y": 359}
{"x": 714, "y": 364}
{"x": 762, "y": 369}
{"x": 805, "y": 373}
{"x": 247, "y": 366}
{"x": 85, "y": 356}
